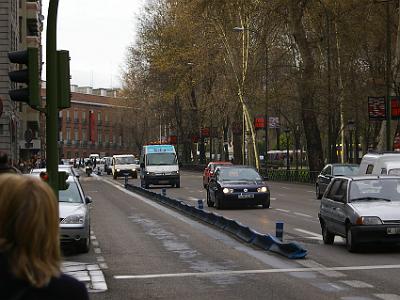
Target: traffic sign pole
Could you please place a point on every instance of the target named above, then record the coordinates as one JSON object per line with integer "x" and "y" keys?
{"x": 51, "y": 97}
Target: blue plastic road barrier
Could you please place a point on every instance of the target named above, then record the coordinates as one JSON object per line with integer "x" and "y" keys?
{"x": 200, "y": 204}
{"x": 279, "y": 230}
{"x": 164, "y": 191}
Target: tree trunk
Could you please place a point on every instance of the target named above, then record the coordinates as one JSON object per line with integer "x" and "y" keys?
{"x": 305, "y": 85}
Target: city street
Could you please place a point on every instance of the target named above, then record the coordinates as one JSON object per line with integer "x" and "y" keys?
{"x": 150, "y": 251}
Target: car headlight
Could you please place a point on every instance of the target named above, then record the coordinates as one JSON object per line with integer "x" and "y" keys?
{"x": 74, "y": 219}
{"x": 368, "y": 221}
{"x": 118, "y": 170}
{"x": 133, "y": 170}
{"x": 262, "y": 189}
{"x": 227, "y": 191}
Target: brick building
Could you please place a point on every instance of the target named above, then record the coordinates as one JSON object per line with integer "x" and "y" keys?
{"x": 21, "y": 23}
{"x": 97, "y": 122}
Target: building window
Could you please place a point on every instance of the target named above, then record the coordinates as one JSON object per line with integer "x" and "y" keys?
{"x": 99, "y": 116}
{"x": 106, "y": 118}
{"x": 84, "y": 135}
{"x": 84, "y": 116}
{"x": 68, "y": 134}
{"x": 68, "y": 116}
{"x": 1, "y": 129}
{"x": 107, "y": 137}
{"x": 99, "y": 135}
{"x": 75, "y": 116}
{"x": 76, "y": 137}
{"x": 60, "y": 136}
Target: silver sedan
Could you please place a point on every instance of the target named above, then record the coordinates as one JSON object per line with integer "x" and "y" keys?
{"x": 362, "y": 209}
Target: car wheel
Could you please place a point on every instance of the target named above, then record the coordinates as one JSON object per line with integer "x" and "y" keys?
{"x": 327, "y": 236}
{"x": 209, "y": 203}
{"x": 318, "y": 192}
{"x": 146, "y": 184}
{"x": 351, "y": 244}
{"x": 83, "y": 245}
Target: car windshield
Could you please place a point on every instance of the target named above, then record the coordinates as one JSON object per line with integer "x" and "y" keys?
{"x": 375, "y": 190}
{"x": 160, "y": 159}
{"x": 71, "y": 195}
{"x": 124, "y": 160}
{"x": 239, "y": 174}
{"x": 345, "y": 170}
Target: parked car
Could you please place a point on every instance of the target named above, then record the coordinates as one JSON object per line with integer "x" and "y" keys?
{"x": 74, "y": 213}
{"x": 331, "y": 171}
{"x": 362, "y": 209}
{"x": 75, "y": 216}
{"x": 66, "y": 168}
{"x": 209, "y": 170}
{"x": 237, "y": 185}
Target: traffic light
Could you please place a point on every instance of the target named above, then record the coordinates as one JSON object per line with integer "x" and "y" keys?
{"x": 64, "y": 78}
{"x": 28, "y": 76}
{"x": 62, "y": 181}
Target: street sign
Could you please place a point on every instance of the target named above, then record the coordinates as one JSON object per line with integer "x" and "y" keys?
{"x": 259, "y": 122}
{"x": 376, "y": 108}
{"x": 273, "y": 122}
{"x": 395, "y": 105}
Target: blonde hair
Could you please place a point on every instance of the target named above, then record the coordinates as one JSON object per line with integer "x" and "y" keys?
{"x": 29, "y": 228}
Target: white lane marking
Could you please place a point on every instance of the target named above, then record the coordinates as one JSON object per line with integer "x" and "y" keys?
{"x": 302, "y": 215}
{"x": 285, "y": 188}
{"x": 95, "y": 243}
{"x": 193, "y": 198}
{"x": 272, "y": 198}
{"x": 387, "y": 296}
{"x": 283, "y": 210}
{"x": 263, "y": 271}
{"x": 309, "y": 263}
{"x": 97, "y": 250}
{"x": 310, "y": 192}
{"x": 357, "y": 284}
{"x": 100, "y": 258}
{"x": 92, "y": 237}
{"x": 313, "y": 234}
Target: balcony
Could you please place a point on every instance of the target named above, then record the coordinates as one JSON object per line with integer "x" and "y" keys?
{"x": 84, "y": 144}
{"x": 99, "y": 123}
{"x": 69, "y": 143}
{"x": 33, "y": 19}
{"x": 76, "y": 120}
{"x": 68, "y": 120}
{"x": 84, "y": 122}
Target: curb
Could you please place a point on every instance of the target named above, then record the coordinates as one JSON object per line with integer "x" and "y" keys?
{"x": 267, "y": 242}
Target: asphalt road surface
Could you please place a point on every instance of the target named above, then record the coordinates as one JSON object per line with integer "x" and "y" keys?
{"x": 152, "y": 252}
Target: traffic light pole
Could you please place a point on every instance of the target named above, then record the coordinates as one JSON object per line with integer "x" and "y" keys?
{"x": 51, "y": 97}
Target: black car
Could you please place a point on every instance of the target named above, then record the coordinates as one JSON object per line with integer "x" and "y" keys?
{"x": 237, "y": 185}
{"x": 329, "y": 172}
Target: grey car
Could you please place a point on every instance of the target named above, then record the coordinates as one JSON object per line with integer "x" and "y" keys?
{"x": 75, "y": 216}
{"x": 362, "y": 209}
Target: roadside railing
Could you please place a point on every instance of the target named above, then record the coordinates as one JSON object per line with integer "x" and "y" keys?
{"x": 273, "y": 174}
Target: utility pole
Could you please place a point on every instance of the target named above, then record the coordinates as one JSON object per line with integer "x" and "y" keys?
{"x": 266, "y": 108}
{"x": 51, "y": 97}
{"x": 388, "y": 78}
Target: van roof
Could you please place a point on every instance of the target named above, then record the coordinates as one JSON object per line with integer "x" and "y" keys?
{"x": 124, "y": 155}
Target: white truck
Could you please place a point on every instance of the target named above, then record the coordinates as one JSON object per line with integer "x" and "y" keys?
{"x": 159, "y": 166}
{"x": 380, "y": 163}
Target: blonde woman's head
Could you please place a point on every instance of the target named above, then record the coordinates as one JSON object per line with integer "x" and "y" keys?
{"x": 29, "y": 228}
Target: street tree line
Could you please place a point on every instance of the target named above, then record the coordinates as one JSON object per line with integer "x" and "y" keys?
{"x": 219, "y": 63}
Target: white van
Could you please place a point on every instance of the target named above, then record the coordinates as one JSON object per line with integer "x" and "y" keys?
{"x": 384, "y": 163}
{"x": 159, "y": 165}
{"x": 123, "y": 164}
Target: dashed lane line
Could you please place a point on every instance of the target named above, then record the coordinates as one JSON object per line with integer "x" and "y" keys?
{"x": 302, "y": 215}
{"x": 357, "y": 284}
{"x": 309, "y": 263}
{"x": 313, "y": 235}
{"x": 262, "y": 271}
{"x": 282, "y": 210}
{"x": 387, "y": 296}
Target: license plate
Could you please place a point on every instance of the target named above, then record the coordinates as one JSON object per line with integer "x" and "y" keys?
{"x": 245, "y": 196}
{"x": 394, "y": 230}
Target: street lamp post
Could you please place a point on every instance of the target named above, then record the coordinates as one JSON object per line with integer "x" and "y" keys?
{"x": 351, "y": 127}
{"x": 287, "y": 130}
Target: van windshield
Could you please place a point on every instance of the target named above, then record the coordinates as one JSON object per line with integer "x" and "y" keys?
{"x": 161, "y": 159}
{"x": 124, "y": 160}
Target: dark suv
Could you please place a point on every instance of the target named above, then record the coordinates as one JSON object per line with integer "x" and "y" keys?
{"x": 331, "y": 171}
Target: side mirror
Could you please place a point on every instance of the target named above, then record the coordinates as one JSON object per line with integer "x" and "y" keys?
{"x": 142, "y": 165}
{"x": 88, "y": 199}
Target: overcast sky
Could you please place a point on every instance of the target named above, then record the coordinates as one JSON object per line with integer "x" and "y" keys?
{"x": 97, "y": 34}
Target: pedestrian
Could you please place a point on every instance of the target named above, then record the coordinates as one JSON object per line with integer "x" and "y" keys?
{"x": 30, "y": 255}
{"x": 5, "y": 167}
